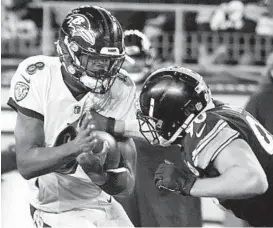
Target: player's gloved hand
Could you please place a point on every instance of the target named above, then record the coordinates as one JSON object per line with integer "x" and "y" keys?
{"x": 171, "y": 178}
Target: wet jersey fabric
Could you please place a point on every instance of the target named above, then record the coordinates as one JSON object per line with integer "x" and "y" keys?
{"x": 38, "y": 90}
{"x": 214, "y": 130}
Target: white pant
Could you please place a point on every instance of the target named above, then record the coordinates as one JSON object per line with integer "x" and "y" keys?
{"x": 107, "y": 213}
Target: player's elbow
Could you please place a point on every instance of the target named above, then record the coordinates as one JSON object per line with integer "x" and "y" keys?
{"x": 25, "y": 169}
{"x": 257, "y": 182}
{"x": 120, "y": 184}
{"x": 27, "y": 176}
{"x": 261, "y": 183}
{"x": 128, "y": 190}
{"x": 25, "y": 172}
{"x": 22, "y": 168}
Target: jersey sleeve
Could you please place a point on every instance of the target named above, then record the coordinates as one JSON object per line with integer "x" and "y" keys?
{"x": 216, "y": 139}
{"x": 131, "y": 113}
{"x": 25, "y": 93}
{"x": 129, "y": 101}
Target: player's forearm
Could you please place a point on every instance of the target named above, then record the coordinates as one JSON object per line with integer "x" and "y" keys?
{"x": 118, "y": 182}
{"x": 235, "y": 183}
{"x": 129, "y": 180}
{"x": 128, "y": 128}
{"x": 38, "y": 161}
{"x": 121, "y": 181}
{"x": 115, "y": 127}
{"x": 128, "y": 160}
{"x": 129, "y": 183}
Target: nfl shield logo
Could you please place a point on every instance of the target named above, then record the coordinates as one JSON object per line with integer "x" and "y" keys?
{"x": 77, "y": 109}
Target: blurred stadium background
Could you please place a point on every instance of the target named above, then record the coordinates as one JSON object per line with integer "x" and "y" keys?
{"x": 225, "y": 41}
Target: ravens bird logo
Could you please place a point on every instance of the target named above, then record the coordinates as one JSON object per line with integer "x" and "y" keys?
{"x": 80, "y": 26}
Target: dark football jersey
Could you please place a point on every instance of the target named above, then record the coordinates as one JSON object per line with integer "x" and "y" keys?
{"x": 214, "y": 130}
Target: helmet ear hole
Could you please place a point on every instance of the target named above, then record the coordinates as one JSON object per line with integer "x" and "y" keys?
{"x": 187, "y": 112}
{"x": 191, "y": 108}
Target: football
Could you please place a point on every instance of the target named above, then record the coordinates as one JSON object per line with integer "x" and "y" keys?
{"x": 106, "y": 143}
{"x": 105, "y": 154}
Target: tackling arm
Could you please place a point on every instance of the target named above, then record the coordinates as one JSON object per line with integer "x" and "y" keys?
{"x": 128, "y": 128}
{"x": 241, "y": 175}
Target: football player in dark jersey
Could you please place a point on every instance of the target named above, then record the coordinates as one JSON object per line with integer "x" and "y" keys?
{"x": 225, "y": 152}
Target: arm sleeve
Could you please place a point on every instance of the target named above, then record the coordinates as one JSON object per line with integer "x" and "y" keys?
{"x": 25, "y": 94}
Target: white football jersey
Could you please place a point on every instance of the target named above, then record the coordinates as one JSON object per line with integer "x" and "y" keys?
{"x": 38, "y": 90}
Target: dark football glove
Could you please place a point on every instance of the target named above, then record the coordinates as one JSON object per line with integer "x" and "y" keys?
{"x": 171, "y": 178}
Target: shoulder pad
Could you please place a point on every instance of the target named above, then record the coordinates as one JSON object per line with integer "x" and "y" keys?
{"x": 208, "y": 140}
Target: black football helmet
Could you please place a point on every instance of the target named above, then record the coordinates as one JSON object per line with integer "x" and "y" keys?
{"x": 91, "y": 47}
{"x": 140, "y": 55}
{"x": 170, "y": 99}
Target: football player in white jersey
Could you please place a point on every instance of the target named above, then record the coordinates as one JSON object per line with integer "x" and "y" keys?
{"x": 53, "y": 147}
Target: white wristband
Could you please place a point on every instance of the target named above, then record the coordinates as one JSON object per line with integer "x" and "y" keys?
{"x": 118, "y": 170}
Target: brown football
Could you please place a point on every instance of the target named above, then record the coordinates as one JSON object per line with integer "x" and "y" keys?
{"x": 113, "y": 154}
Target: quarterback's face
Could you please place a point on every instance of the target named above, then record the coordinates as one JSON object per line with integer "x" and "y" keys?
{"x": 101, "y": 67}
{"x": 97, "y": 75}
{"x": 99, "y": 71}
